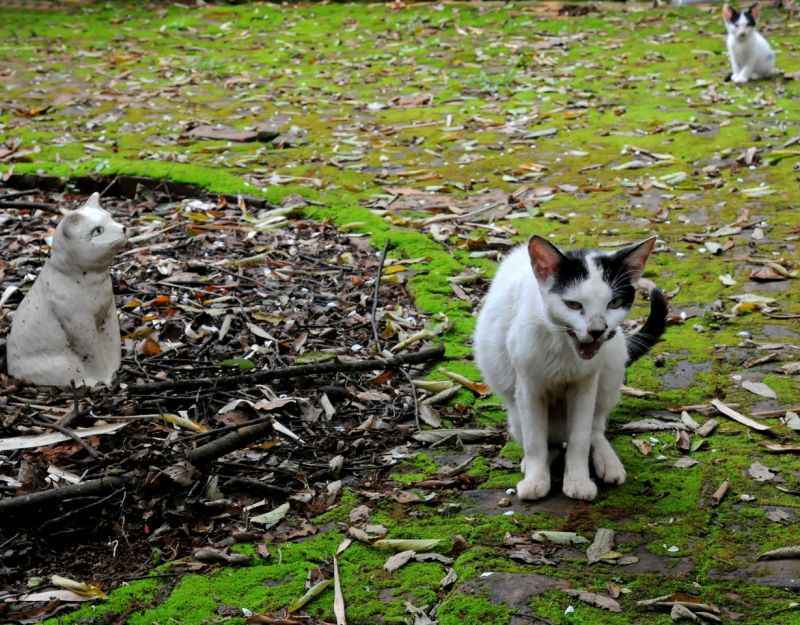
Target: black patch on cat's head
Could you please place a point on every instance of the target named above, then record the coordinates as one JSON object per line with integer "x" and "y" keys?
{"x": 617, "y": 274}
{"x": 571, "y": 269}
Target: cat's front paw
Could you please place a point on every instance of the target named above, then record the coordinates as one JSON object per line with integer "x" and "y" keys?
{"x": 583, "y": 488}
{"x": 532, "y": 488}
{"x": 607, "y": 465}
{"x": 739, "y": 78}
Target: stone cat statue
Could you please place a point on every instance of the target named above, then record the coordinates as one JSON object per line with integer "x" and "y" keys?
{"x": 66, "y": 329}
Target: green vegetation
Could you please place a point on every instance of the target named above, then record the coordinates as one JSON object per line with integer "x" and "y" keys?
{"x": 111, "y": 88}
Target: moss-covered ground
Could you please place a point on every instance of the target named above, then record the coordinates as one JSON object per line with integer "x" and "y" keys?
{"x": 110, "y": 87}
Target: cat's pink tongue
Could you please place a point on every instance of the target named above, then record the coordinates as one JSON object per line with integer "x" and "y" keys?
{"x": 588, "y": 350}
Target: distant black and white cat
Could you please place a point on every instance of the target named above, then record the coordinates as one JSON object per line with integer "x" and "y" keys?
{"x": 750, "y": 55}
{"x": 548, "y": 343}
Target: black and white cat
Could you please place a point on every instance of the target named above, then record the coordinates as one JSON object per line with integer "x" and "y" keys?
{"x": 548, "y": 343}
{"x": 750, "y": 55}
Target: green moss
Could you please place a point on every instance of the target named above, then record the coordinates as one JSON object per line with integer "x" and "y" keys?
{"x": 464, "y": 610}
{"x": 418, "y": 468}
{"x": 131, "y": 596}
{"x": 329, "y": 64}
{"x": 341, "y": 512}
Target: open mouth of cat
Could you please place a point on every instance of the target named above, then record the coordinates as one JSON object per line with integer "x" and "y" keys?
{"x": 587, "y": 351}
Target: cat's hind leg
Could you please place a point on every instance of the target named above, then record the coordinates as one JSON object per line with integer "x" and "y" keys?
{"x": 607, "y": 464}
{"x": 513, "y": 416}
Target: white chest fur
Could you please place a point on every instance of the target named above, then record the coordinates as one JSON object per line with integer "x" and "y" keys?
{"x": 66, "y": 330}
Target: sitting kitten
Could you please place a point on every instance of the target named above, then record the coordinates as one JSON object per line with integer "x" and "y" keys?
{"x": 547, "y": 341}
{"x": 66, "y": 329}
{"x": 750, "y": 54}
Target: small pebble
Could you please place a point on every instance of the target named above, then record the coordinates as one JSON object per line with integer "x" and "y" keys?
{"x": 504, "y": 502}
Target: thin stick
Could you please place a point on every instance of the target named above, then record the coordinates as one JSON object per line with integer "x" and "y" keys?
{"x": 375, "y": 295}
{"x": 90, "y": 487}
{"x": 109, "y": 185}
{"x": 67, "y": 432}
{"x": 230, "y": 442}
{"x": 414, "y": 395}
{"x": 72, "y": 513}
{"x": 229, "y": 428}
{"x": 16, "y": 194}
{"x": 69, "y": 417}
{"x": 49, "y": 208}
{"x": 424, "y": 355}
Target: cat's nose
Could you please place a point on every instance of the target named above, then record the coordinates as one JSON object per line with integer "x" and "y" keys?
{"x": 596, "y": 334}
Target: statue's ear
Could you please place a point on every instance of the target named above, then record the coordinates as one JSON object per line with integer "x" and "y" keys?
{"x": 93, "y": 201}
{"x": 70, "y": 224}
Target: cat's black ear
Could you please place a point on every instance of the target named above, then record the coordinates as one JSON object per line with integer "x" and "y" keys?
{"x": 635, "y": 257}
{"x": 729, "y": 14}
{"x": 70, "y": 223}
{"x": 545, "y": 257}
{"x": 753, "y": 11}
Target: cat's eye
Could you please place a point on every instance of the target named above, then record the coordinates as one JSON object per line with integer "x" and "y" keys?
{"x": 97, "y": 231}
{"x": 573, "y": 305}
{"x": 617, "y": 302}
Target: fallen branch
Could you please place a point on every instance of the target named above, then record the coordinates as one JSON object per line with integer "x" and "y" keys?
{"x": 203, "y": 455}
{"x": 424, "y": 355}
{"x": 30, "y": 206}
{"x": 71, "y": 434}
{"x": 230, "y": 442}
{"x": 46, "y": 497}
{"x": 375, "y": 293}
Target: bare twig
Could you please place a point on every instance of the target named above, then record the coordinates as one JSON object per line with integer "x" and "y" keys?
{"x": 46, "y": 497}
{"x": 67, "y": 432}
{"x": 230, "y": 442}
{"x": 229, "y": 428}
{"x": 109, "y": 185}
{"x": 72, "y": 513}
{"x": 30, "y": 206}
{"x": 424, "y": 355}
{"x": 69, "y": 417}
{"x": 404, "y": 373}
{"x": 16, "y": 194}
{"x": 375, "y": 296}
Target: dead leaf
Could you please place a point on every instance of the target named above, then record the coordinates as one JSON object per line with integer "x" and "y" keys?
{"x": 272, "y": 518}
{"x": 602, "y": 544}
{"x": 738, "y": 417}
{"x": 759, "y": 388}
{"x": 398, "y": 560}
{"x": 50, "y": 438}
{"x": 407, "y": 544}
{"x": 782, "y": 553}
{"x": 313, "y": 592}
{"x": 338, "y": 598}
{"x": 599, "y": 601}
{"x": 778, "y": 516}
{"x": 559, "y": 538}
{"x": 760, "y": 473}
